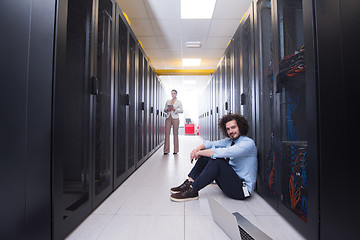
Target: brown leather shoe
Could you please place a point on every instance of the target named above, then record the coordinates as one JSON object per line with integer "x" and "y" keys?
{"x": 189, "y": 194}
{"x": 181, "y": 188}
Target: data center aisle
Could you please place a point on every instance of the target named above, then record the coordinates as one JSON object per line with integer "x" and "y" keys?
{"x": 141, "y": 207}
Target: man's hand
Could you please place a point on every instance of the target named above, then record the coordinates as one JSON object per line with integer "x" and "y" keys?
{"x": 194, "y": 155}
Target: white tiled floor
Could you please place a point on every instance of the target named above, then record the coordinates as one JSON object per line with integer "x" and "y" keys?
{"x": 141, "y": 207}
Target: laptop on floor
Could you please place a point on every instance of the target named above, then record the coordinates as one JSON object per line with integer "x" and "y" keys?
{"x": 233, "y": 224}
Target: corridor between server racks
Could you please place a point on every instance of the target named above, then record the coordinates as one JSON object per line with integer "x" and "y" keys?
{"x": 141, "y": 207}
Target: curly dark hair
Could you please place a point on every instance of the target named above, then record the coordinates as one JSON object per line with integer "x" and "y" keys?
{"x": 240, "y": 120}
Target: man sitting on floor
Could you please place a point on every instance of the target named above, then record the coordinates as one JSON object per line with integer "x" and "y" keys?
{"x": 231, "y": 162}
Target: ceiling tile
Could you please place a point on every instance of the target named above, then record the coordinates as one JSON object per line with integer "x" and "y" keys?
{"x": 149, "y": 42}
{"x": 133, "y": 9}
{"x": 142, "y": 27}
{"x": 193, "y": 52}
{"x": 163, "y": 9}
{"x": 231, "y": 9}
{"x": 198, "y": 27}
{"x": 158, "y": 63}
{"x": 169, "y": 42}
{"x": 169, "y": 28}
{"x": 213, "y": 53}
{"x": 171, "y": 53}
{"x": 223, "y": 27}
{"x": 217, "y": 42}
{"x": 153, "y": 53}
{"x": 173, "y": 63}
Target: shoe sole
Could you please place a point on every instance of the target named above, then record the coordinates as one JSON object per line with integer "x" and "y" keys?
{"x": 173, "y": 192}
{"x": 183, "y": 199}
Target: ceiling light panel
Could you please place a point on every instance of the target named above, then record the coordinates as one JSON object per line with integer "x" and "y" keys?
{"x": 193, "y": 44}
{"x": 191, "y": 62}
{"x": 197, "y": 9}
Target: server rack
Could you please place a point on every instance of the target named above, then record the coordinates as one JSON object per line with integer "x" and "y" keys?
{"x": 274, "y": 98}
{"x": 77, "y": 91}
{"x": 120, "y": 120}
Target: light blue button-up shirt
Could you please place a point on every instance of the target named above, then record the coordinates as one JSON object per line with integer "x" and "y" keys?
{"x": 242, "y": 155}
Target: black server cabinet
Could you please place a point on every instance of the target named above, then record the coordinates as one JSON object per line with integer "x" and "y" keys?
{"x": 297, "y": 184}
{"x": 83, "y": 111}
{"x": 217, "y": 101}
{"x": 336, "y": 24}
{"x": 131, "y": 113}
{"x": 25, "y": 109}
{"x": 213, "y": 126}
{"x": 247, "y": 69}
{"x": 140, "y": 109}
{"x": 237, "y": 72}
{"x": 121, "y": 101}
{"x": 264, "y": 100}
{"x": 146, "y": 108}
{"x": 228, "y": 80}
{"x": 151, "y": 111}
{"x": 156, "y": 110}
{"x": 222, "y": 89}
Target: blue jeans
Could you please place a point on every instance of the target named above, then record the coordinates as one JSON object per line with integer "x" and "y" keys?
{"x": 206, "y": 170}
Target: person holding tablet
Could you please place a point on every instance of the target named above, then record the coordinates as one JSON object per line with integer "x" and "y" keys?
{"x": 172, "y": 108}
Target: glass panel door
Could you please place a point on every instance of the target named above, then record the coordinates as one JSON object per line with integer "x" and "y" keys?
{"x": 72, "y": 104}
{"x": 131, "y": 122}
{"x": 246, "y": 94}
{"x": 121, "y": 100}
{"x": 71, "y": 120}
{"x": 265, "y": 122}
{"x": 103, "y": 104}
{"x": 292, "y": 90}
{"x": 140, "y": 107}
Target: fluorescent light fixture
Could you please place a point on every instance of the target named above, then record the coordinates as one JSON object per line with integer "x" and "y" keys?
{"x": 193, "y": 44}
{"x": 191, "y": 62}
{"x": 197, "y": 9}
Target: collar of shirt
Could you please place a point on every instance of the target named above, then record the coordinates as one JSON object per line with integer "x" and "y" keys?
{"x": 236, "y": 141}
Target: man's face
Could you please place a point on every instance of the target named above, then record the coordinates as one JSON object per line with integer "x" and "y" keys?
{"x": 232, "y": 129}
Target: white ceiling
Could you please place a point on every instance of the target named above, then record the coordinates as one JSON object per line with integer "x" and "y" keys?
{"x": 163, "y": 34}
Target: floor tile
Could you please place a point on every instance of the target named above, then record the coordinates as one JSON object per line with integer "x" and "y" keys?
{"x": 140, "y": 208}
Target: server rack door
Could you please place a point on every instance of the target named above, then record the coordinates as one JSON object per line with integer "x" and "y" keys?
{"x": 264, "y": 104}
{"x": 151, "y": 110}
{"x": 218, "y": 106}
{"x": 132, "y": 98}
{"x": 146, "y": 108}
{"x": 228, "y": 80}
{"x": 103, "y": 103}
{"x": 120, "y": 126}
{"x": 152, "y": 104}
{"x": 237, "y": 73}
{"x": 207, "y": 104}
{"x": 291, "y": 109}
{"x": 246, "y": 70}
{"x": 140, "y": 101}
{"x": 222, "y": 90}
{"x": 156, "y": 110}
{"x": 72, "y": 116}
{"x": 214, "y": 117}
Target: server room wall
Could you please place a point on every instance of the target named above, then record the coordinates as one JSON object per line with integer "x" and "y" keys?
{"x": 290, "y": 80}
{"x": 73, "y": 112}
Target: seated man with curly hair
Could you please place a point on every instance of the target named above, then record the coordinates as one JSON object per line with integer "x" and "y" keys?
{"x": 231, "y": 162}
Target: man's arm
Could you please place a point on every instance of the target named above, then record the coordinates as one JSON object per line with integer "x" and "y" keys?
{"x": 193, "y": 154}
{"x": 200, "y": 151}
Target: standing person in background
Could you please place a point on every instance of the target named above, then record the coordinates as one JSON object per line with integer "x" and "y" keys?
{"x": 172, "y": 108}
